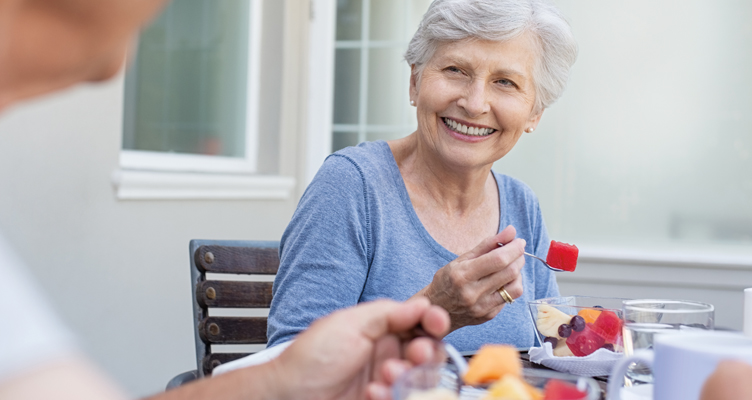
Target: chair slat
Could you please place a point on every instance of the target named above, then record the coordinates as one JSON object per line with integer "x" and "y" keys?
{"x": 214, "y": 360}
{"x": 237, "y": 260}
{"x": 233, "y": 330}
{"x": 234, "y": 294}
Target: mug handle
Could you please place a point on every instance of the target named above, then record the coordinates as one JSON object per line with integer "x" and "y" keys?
{"x": 616, "y": 378}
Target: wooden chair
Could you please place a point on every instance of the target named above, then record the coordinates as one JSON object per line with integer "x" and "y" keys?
{"x": 217, "y": 257}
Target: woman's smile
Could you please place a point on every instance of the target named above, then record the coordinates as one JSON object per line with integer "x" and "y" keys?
{"x": 465, "y": 132}
{"x": 467, "y": 128}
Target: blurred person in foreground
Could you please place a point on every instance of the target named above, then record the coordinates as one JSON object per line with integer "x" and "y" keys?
{"x": 47, "y": 45}
{"x": 423, "y": 215}
{"x": 731, "y": 380}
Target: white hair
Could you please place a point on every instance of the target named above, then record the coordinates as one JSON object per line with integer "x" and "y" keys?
{"x": 501, "y": 20}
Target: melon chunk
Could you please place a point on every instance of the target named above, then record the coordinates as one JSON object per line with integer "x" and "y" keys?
{"x": 562, "y": 256}
{"x": 492, "y": 362}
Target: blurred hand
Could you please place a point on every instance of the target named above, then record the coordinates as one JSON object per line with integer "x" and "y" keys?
{"x": 468, "y": 286}
{"x": 731, "y": 380}
{"x": 357, "y": 353}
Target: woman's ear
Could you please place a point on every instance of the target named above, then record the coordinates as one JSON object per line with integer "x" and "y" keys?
{"x": 413, "y": 83}
{"x": 532, "y": 122}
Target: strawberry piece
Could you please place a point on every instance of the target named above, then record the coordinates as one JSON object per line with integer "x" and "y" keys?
{"x": 608, "y": 326}
{"x": 559, "y": 390}
{"x": 562, "y": 256}
{"x": 585, "y": 342}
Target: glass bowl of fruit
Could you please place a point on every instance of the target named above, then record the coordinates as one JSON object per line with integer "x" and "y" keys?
{"x": 578, "y": 325}
{"x": 536, "y": 384}
{"x": 494, "y": 373}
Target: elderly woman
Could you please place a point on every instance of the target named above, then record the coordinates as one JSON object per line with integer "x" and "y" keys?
{"x": 389, "y": 219}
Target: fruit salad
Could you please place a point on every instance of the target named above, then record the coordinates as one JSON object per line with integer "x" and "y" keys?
{"x": 581, "y": 334}
{"x": 500, "y": 366}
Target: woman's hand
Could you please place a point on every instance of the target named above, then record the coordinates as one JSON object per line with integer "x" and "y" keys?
{"x": 468, "y": 286}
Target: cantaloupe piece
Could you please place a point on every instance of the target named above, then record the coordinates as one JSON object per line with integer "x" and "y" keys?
{"x": 492, "y": 362}
{"x": 513, "y": 388}
{"x": 589, "y": 314}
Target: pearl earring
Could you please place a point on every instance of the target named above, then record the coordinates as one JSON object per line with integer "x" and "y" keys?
{"x": 412, "y": 102}
{"x": 530, "y": 130}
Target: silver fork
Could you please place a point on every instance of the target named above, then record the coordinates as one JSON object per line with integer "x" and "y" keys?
{"x": 539, "y": 259}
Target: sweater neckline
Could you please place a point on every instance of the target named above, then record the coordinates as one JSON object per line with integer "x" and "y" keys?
{"x": 399, "y": 183}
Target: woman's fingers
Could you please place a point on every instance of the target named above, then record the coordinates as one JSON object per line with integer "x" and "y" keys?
{"x": 492, "y": 243}
{"x": 515, "y": 287}
{"x": 497, "y": 260}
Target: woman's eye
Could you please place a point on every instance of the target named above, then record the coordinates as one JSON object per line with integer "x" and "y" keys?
{"x": 452, "y": 69}
{"x": 506, "y": 82}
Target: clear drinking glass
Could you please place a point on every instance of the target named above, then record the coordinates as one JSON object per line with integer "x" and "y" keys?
{"x": 643, "y": 319}
{"x": 428, "y": 381}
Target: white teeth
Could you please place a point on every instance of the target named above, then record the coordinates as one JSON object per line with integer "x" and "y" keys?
{"x": 471, "y": 131}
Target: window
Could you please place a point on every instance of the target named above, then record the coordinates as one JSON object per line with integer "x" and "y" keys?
{"x": 371, "y": 82}
{"x": 192, "y": 102}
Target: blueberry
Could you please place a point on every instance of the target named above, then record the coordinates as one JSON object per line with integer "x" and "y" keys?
{"x": 608, "y": 346}
{"x": 554, "y": 341}
{"x": 577, "y": 323}
{"x": 598, "y": 307}
{"x": 565, "y": 330}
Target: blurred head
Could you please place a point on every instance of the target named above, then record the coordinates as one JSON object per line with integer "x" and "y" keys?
{"x": 553, "y": 44}
{"x": 46, "y": 45}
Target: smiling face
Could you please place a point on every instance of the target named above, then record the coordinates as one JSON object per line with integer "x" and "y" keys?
{"x": 475, "y": 99}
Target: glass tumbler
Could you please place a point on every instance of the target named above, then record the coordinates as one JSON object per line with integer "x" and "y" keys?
{"x": 643, "y": 319}
{"x": 428, "y": 382}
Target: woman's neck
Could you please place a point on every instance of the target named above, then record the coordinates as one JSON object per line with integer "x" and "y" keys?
{"x": 454, "y": 189}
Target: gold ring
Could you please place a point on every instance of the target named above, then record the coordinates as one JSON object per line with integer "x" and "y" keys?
{"x": 506, "y": 296}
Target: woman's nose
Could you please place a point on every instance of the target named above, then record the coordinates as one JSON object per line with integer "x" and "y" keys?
{"x": 475, "y": 101}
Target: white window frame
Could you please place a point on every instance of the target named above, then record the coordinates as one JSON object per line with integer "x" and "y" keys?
{"x": 163, "y": 175}
{"x": 322, "y": 31}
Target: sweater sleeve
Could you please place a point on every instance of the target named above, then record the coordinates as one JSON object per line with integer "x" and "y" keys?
{"x": 324, "y": 251}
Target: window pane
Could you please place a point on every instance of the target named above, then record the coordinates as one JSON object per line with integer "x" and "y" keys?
{"x": 394, "y": 11}
{"x": 340, "y": 140}
{"x": 388, "y": 87}
{"x": 186, "y": 90}
{"x": 346, "y": 86}
{"x": 349, "y": 19}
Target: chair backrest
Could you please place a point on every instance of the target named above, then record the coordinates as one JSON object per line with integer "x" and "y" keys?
{"x": 234, "y": 258}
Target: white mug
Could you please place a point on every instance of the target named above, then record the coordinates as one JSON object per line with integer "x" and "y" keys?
{"x": 681, "y": 362}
